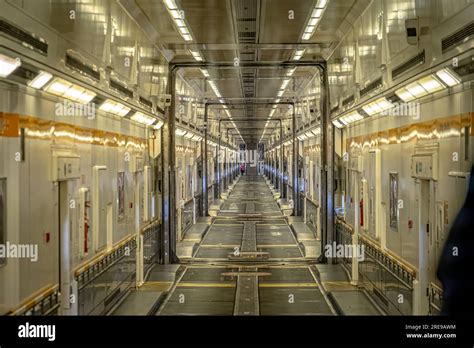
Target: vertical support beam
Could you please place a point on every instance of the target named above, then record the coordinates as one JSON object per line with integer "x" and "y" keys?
{"x": 138, "y": 235}
{"x": 327, "y": 166}
{"x": 281, "y": 160}
{"x": 204, "y": 165}
{"x": 218, "y": 164}
{"x": 295, "y": 163}
{"x": 355, "y": 235}
{"x": 168, "y": 172}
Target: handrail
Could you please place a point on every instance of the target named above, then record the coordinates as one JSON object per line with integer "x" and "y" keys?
{"x": 407, "y": 267}
{"x": 152, "y": 223}
{"x": 189, "y": 201}
{"x": 35, "y": 299}
{"x": 435, "y": 293}
{"x": 102, "y": 255}
{"x": 312, "y": 202}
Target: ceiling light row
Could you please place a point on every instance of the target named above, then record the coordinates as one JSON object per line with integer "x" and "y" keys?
{"x": 432, "y": 83}
{"x": 180, "y": 132}
{"x": 314, "y": 20}
{"x": 298, "y": 54}
{"x": 8, "y": 65}
{"x": 178, "y": 18}
{"x": 377, "y": 106}
{"x": 62, "y": 88}
{"x": 196, "y": 55}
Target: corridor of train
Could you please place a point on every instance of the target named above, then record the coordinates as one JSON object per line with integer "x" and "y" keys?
{"x": 248, "y": 263}
{"x": 234, "y": 157}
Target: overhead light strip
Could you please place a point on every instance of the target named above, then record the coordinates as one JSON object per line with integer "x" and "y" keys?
{"x": 314, "y": 20}
{"x": 178, "y": 19}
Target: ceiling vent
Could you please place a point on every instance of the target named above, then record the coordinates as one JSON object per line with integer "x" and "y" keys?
{"x": 122, "y": 89}
{"x": 84, "y": 69}
{"x": 410, "y": 63}
{"x": 457, "y": 38}
{"x": 26, "y": 39}
{"x": 371, "y": 87}
{"x": 348, "y": 100}
{"x": 146, "y": 102}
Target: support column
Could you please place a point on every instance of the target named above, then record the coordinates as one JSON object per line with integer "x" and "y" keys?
{"x": 168, "y": 172}
{"x": 282, "y": 173}
{"x": 295, "y": 164}
{"x": 204, "y": 166}
{"x": 355, "y": 235}
{"x": 327, "y": 166}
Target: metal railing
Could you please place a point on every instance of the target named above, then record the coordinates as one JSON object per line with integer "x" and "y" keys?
{"x": 151, "y": 243}
{"x": 387, "y": 274}
{"x": 435, "y": 295}
{"x": 103, "y": 280}
{"x": 43, "y": 302}
{"x": 187, "y": 213}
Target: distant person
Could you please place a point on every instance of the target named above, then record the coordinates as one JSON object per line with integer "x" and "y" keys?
{"x": 242, "y": 168}
{"x": 456, "y": 266}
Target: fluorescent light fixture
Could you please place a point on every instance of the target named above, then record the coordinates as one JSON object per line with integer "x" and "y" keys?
{"x": 158, "y": 124}
{"x": 312, "y": 22}
{"x": 70, "y": 91}
{"x": 183, "y": 30}
{"x": 187, "y": 37}
{"x": 290, "y": 72}
{"x": 298, "y": 54}
{"x": 302, "y": 137}
{"x": 196, "y": 137}
{"x": 180, "y": 132}
{"x": 142, "y": 118}
{"x": 337, "y": 124}
{"x": 309, "y": 134}
{"x": 416, "y": 90}
{"x": 114, "y": 108}
{"x": 196, "y": 55}
{"x": 377, "y": 106}
{"x": 58, "y": 87}
{"x": 205, "y": 72}
{"x": 175, "y": 14}
{"x": 307, "y": 36}
{"x": 188, "y": 135}
{"x": 86, "y": 97}
{"x": 404, "y": 95}
{"x": 350, "y": 118}
{"x": 74, "y": 92}
{"x": 40, "y": 80}
{"x": 316, "y": 131}
{"x": 430, "y": 84}
{"x": 8, "y": 65}
{"x": 322, "y": 3}
{"x": 171, "y": 4}
{"x": 317, "y": 12}
{"x": 448, "y": 77}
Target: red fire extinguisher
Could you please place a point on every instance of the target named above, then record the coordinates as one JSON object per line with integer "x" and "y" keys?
{"x": 361, "y": 208}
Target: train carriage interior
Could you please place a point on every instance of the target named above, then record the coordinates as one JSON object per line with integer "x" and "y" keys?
{"x": 232, "y": 157}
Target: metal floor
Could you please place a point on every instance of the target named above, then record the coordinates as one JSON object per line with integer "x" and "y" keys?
{"x": 248, "y": 263}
